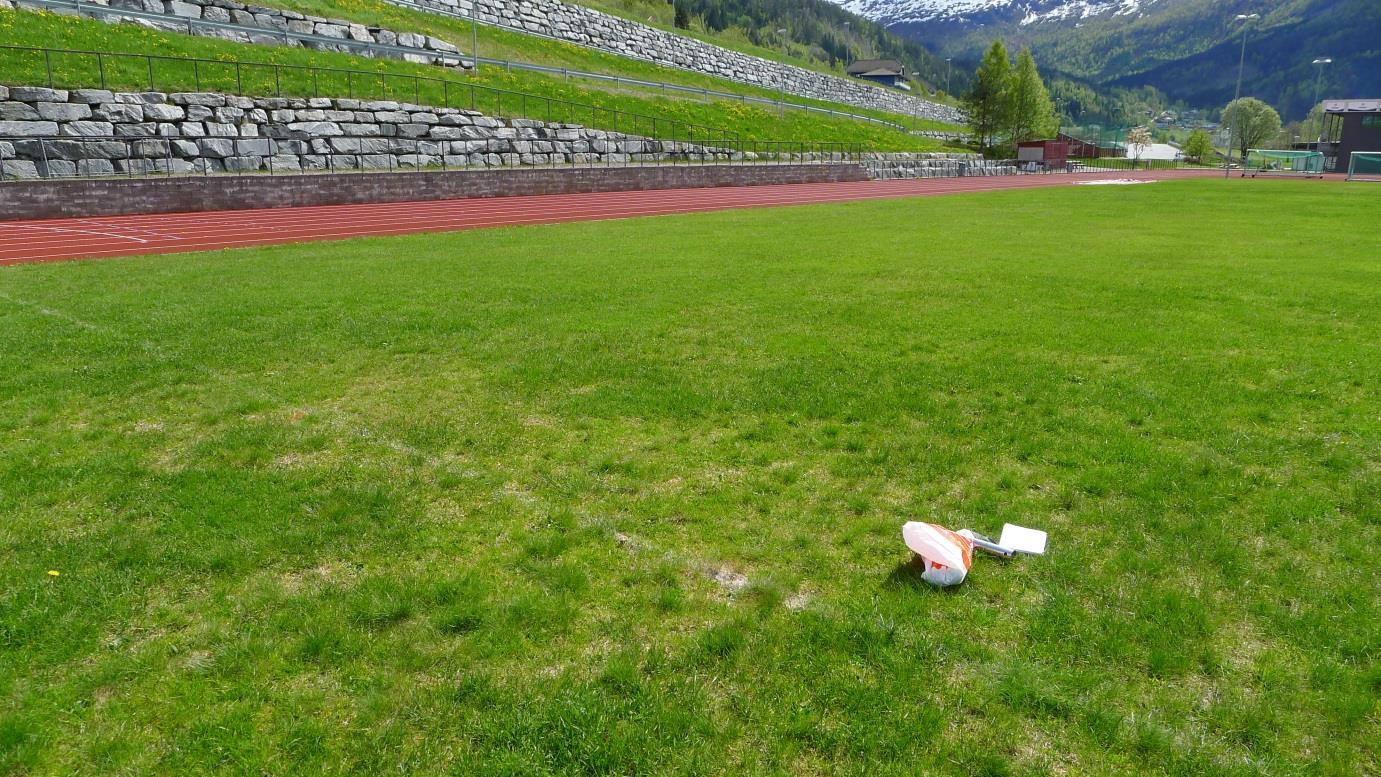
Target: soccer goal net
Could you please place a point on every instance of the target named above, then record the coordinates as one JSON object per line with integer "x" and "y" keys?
{"x": 1364, "y": 166}
{"x": 1272, "y": 162}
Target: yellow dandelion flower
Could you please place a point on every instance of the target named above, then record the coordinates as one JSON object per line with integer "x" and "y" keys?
{"x": 53, "y": 573}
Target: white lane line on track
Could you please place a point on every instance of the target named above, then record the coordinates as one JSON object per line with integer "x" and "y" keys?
{"x": 552, "y": 203}
{"x": 71, "y": 231}
{"x": 390, "y": 229}
{"x": 434, "y": 216}
{"x": 456, "y": 212}
{"x": 436, "y": 220}
{"x": 130, "y": 227}
{"x": 897, "y": 188}
{"x": 437, "y": 223}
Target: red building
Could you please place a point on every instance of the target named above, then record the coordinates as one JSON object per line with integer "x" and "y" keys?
{"x": 1048, "y": 153}
{"x": 1082, "y": 149}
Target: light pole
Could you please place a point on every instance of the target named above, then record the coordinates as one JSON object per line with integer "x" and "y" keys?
{"x": 1321, "y": 61}
{"x": 781, "y": 86}
{"x": 1237, "y": 95}
{"x": 948, "y": 68}
{"x": 474, "y": 38}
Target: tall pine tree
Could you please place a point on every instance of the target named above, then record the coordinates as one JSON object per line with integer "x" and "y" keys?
{"x": 987, "y": 101}
{"x": 1030, "y": 113}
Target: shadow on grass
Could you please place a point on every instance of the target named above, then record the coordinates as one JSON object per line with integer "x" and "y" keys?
{"x": 908, "y": 575}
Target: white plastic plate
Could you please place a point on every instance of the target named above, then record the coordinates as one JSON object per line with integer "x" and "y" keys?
{"x": 1022, "y": 539}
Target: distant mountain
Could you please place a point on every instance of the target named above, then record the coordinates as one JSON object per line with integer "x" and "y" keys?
{"x": 1187, "y": 49}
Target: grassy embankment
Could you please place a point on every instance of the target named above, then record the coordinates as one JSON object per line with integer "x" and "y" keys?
{"x": 625, "y": 497}
{"x": 749, "y": 121}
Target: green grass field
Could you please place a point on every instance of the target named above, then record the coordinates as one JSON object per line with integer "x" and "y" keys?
{"x": 626, "y": 497}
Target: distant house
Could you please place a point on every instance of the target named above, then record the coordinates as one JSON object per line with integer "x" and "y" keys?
{"x": 887, "y": 72}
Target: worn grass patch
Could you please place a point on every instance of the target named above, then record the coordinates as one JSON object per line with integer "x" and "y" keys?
{"x": 625, "y": 497}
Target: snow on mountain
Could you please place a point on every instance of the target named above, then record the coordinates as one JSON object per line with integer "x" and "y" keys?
{"x": 890, "y": 12}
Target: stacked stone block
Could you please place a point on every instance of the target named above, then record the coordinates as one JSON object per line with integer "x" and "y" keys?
{"x": 588, "y": 27}
{"x": 46, "y": 133}
{"x": 551, "y": 18}
{"x": 275, "y": 22}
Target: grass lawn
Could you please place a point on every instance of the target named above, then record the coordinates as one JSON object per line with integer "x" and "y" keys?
{"x": 626, "y": 497}
{"x": 751, "y": 121}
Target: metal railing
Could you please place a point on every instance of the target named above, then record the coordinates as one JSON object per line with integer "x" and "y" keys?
{"x": 1096, "y": 164}
{"x": 396, "y": 52}
{"x": 49, "y": 158}
{"x": 73, "y": 68}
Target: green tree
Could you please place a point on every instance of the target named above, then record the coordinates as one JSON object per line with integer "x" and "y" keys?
{"x": 986, "y": 101}
{"x": 682, "y": 18}
{"x": 1198, "y": 146}
{"x": 1251, "y": 122}
{"x": 1030, "y": 113}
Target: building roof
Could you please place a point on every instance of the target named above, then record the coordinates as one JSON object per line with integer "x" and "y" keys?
{"x": 876, "y": 67}
{"x": 1352, "y": 106}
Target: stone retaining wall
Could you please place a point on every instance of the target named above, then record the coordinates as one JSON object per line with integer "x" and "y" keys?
{"x": 50, "y": 133}
{"x": 114, "y": 196}
{"x": 275, "y": 22}
{"x": 588, "y": 27}
{"x": 572, "y": 23}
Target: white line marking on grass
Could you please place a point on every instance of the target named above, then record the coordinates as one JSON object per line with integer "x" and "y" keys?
{"x": 335, "y": 418}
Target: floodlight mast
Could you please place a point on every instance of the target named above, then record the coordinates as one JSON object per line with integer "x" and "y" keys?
{"x": 1241, "y": 60}
{"x": 1320, "y": 61}
{"x": 781, "y": 86}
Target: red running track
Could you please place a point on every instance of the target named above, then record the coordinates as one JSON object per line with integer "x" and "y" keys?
{"x": 57, "y": 239}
